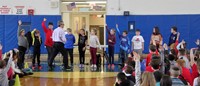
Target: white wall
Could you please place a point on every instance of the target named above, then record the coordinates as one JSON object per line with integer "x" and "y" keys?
{"x": 41, "y": 7}
{"x": 153, "y": 7}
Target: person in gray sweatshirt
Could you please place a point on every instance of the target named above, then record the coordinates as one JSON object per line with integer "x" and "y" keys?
{"x": 22, "y": 44}
{"x": 4, "y": 69}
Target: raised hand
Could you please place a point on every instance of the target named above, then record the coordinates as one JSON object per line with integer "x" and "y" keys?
{"x": 165, "y": 46}
{"x": 197, "y": 42}
{"x": 178, "y": 34}
{"x": 44, "y": 19}
{"x": 20, "y": 22}
{"x": 116, "y": 25}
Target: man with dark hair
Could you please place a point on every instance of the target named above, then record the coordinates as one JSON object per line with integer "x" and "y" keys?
{"x": 59, "y": 40}
{"x": 173, "y": 37}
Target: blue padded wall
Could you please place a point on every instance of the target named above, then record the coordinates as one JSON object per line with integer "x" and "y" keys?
{"x": 9, "y": 25}
{"x": 188, "y": 26}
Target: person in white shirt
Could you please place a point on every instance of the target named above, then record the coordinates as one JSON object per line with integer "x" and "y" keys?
{"x": 138, "y": 42}
{"x": 59, "y": 39}
{"x": 94, "y": 44}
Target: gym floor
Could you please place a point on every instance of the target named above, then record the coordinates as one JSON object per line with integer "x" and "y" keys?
{"x": 76, "y": 77}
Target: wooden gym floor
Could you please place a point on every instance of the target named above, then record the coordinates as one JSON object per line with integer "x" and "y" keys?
{"x": 76, "y": 77}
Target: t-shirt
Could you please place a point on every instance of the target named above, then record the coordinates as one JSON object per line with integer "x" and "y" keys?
{"x": 195, "y": 83}
{"x": 94, "y": 41}
{"x": 137, "y": 42}
{"x": 82, "y": 40}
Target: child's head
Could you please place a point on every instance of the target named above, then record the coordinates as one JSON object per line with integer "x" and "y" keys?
{"x": 155, "y": 64}
{"x": 69, "y": 30}
{"x": 180, "y": 63}
{"x": 175, "y": 71}
{"x": 137, "y": 32}
{"x": 50, "y": 25}
{"x": 112, "y": 31}
{"x": 166, "y": 81}
{"x": 93, "y": 32}
{"x": 37, "y": 33}
{"x": 124, "y": 33}
{"x": 22, "y": 32}
{"x": 82, "y": 31}
{"x": 121, "y": 77}
{"x": 152, "y": 48}
{"x": 182, "y": 52}
{"x": 129, "y": 70}
{"x": 2, "y": 64}
{"x": 173, "y": 29}
{"x": 171, "y": 57}
{"x": 156, "y": 30}
{"x": 158, "y": 75}
{"x": 148, "y": 79}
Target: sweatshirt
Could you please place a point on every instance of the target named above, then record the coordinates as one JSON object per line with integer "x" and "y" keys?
{"x": 48, "y": 35}
{"x": 22, "y": 40}
{"x": 69, "y": 44}
{"x": 37, "y": 41}
{"x": 111, "y": 37}
{"x": 124, "y": 41}
{"x": 172, "y": 39}
{"x": 3, "y": 73}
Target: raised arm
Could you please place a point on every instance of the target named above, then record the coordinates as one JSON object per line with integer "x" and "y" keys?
{"x": 137, "y": 69}
{"x": 108, "y": 30}
{"x": 9, "y": 62}
{"x": 118, "y": 30}
{"x": 1, "y": 52}
{"x": 77, "y": 28}
{"x": 97, "y": 40}
{"x": 191, "y": 57}
{"x": 44, "y": 26}
{"x": 162, "y": 59}
{"x": 33, "y": 37}
{"x": 19, "y": 28}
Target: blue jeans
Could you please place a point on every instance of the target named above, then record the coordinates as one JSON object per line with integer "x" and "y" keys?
{"x": 123, "y": 55}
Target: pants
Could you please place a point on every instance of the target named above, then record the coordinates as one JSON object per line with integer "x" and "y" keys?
{"x": 50, "y": 51}
{"x": 93, "y": 52}
{"x": 111, "y": 50}
{"x": 139, "y": 51}
{"x": 70, "y": 52}
{"x": 11, "y": 82}
{"x": 22, "y": 52}
{"x": 81, "y": 55}
{"x": 36, "y": 54}
{"x": 59, "y": 47}
{"x": 123, "y": 55}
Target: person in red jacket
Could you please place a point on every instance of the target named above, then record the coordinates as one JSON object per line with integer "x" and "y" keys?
{"x": 48, "y": 37}
{"x": 152, "y": 52}
{"x": 185, "y": 72}
{"x": 154, "y": 64}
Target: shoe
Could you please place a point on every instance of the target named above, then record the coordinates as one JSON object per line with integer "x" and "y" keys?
{"x": 33, "y": 67}
{"x": 50, "y": 68}
{"x": 113, "y": 66}
{"x": 95, "y": 66}
{"x": 68, "y": 68}
{"x": 80, "y": 65}
{"x": 92, "y": 66}
{"x": 39, "y": 67}
{"x": 109, "y": 66}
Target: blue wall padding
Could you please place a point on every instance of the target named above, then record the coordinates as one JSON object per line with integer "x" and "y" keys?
{"x": 9, "y": 25}
{"x": 188, "y": 26}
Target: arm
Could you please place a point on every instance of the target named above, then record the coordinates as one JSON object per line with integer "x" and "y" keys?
{"x": 161, "y": 40}
{"x": 97, "y": 40}
{"x": 162, "y": 60}
{"x": 108, "y": 30}
{"x": 19, "y": 28}
{"x": 191, "y": 57}
{"x": 62, "y": 36}
{"x": 33, "y": 36}
{"x": 44, "y": 26}
{"x": 151, "y": 40}
{"x": 137, "y": 69}
{"x": 9, "y": 62}
{"x": 178, "y": 46}
{"x": 77, "y": 28}
{"x": 15, "y": 69}
{"x": 118, "y": 30}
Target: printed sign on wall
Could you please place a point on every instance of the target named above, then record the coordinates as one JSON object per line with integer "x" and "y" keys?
{"x": 19, "y": 10}
{"x": 5, "y": 10}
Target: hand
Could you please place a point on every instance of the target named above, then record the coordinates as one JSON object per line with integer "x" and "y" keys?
{"x": 105, "y": 24}
{"x": 84, "y": 49}
{"x": 34, "y": 29}
{"x": 44, "y": 19}
{"x": 161, "y": 48}
{"x": 165, "y": 46}
{"x": 197, "y": 42}
{"x": 183, "y": 41}
{"x": 116, "y": 25}
{"x": 110, "y": 40}
{"x": 11, "y": 53}
{"x": 1, "y": 47}
{"x": 20, "y": 22}
{"x": 178, "y": 34}
{"x": 136, "y": 56}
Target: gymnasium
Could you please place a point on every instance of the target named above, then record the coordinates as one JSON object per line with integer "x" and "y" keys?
{"x": 99, "y": 43}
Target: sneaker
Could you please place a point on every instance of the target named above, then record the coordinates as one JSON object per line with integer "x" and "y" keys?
{"x": 80, "y": 65}
{"x": 68, "y": 68}
{"x": 33, "y": 67}
{"x": 109, "y": 66}
{"x": 95, "y": 66}
{"x": 39, "y": 67}
{"x": 113, "y": 66}
{"x": 50, "y": 68}
{"x": 92, "y": 66}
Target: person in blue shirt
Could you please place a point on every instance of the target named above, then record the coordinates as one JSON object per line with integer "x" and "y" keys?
{"x": 124, "y": 45}
{"x": 69, "y": 44}
{"x": 173, "y": 37}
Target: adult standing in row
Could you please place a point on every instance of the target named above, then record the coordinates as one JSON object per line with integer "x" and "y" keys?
{"x": 59, "y": 39}
{"x": 22, "y": 45}
{"x": 156, "y": 37}
{"x": 48, "y": 37}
